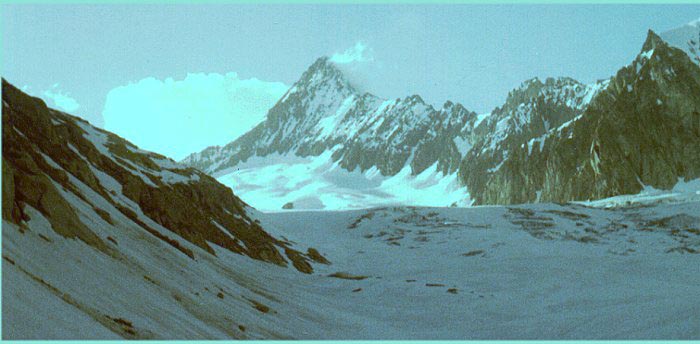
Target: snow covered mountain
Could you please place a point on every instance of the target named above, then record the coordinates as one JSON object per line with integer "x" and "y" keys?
{"x": 323, "y": 123}
{"x": 326, "y": 146}
{"x": 84, "y": 183}
{"x": 323, "y": 112}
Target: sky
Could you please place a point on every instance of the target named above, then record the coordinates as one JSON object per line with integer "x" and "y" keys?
{"x": 176, "y": 78}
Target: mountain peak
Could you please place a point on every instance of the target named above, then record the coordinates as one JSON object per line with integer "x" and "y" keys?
{"x": 652, "y": 42}
{"x": 527, "y": 89}
{"x": 322, "y": 62}
{"x": 322, "y": 79}
{"x": 415, "y": 99}
{"x": 322, "y": 73}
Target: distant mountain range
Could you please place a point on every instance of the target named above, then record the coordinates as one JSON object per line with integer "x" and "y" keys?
{"x": 327, "y": 145}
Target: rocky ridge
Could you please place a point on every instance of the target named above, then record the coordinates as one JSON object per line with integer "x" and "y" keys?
{"x": 643, "y": 129}
{"x": 78, "y": 177}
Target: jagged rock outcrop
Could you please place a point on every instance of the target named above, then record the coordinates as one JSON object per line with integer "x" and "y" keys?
{"x": 51, "y": 158}
{"x": 529, "y": 113}
{"x": 642, "y": 129}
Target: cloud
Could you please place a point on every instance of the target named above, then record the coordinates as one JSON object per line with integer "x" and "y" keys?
{"x": 61, "y": 100}
{"x": 179, "y": 117}
{"x": 359, "y": 66}
{"x": 358, "y": 53}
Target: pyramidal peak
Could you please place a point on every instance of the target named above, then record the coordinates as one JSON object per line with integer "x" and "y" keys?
{"x": 324, "y": 72}
{"x": 652, "y": 42}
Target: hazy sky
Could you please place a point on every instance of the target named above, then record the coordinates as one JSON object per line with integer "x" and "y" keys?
{"x": 211, "y": 71}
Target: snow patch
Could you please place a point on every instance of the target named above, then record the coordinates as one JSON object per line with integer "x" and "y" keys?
{"x": 320, "y": 183}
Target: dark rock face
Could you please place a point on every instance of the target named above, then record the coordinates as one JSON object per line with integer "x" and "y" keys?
{"x": 643, "y": 128}
{"x": 529, "y": 113}
{"x": 47, "y": 153}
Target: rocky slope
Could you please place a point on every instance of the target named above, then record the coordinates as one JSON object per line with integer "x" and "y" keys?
{"x": 79, "y": 177}
{"x": 530, "y": 113}
{"x": 642, "y": 129}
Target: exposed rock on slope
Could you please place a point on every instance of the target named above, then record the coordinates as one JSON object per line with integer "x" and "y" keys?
{"x": 530, "y": 112}
{"x": 53, "y": 161}
{"x": 642, "y": 129}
